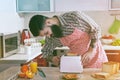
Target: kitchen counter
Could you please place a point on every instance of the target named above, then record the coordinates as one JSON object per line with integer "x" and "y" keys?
{"x": 110, "y": 47}
{"x": 106, "y": 47}
{"x": 53, "y": 73}
{"x": 113, "y": 52}
{"x": 21, "y": 57}
{"x": 24, "y": 54}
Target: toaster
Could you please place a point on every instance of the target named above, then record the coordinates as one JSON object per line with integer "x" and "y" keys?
{"x": 71, "y": 64}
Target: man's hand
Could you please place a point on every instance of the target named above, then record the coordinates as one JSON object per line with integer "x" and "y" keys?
{"x": 56, "y": 60}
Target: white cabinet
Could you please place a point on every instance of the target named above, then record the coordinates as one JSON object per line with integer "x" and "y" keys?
{"x": 114, "y": 4}
{"x": 28, "y": 6}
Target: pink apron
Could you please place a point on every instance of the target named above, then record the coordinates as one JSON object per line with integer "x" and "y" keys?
{"x": 79, "y": 43}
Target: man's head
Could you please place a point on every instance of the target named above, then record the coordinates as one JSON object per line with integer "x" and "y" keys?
{"x": 43, "y": 26}
{"x": 36, "y": 24}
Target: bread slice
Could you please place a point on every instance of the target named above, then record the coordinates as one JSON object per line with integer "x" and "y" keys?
{"x": 70, "y": 76}
{"x": 72, "y": 54}
{"x": 101, "y": 75}
{"x": 110, "y": 67}
{"x": 118, "y": 66}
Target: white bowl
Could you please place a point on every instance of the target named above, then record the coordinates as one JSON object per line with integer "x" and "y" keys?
{"x": 107, "y": 41}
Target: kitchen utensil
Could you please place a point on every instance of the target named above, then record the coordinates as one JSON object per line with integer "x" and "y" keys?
{"x": 114, "y": 29}
{"x": 42, "y": 74}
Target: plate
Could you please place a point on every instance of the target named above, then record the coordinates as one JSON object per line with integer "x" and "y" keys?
{"x": 107, "y": 41}
{"x": 69, "y": 77}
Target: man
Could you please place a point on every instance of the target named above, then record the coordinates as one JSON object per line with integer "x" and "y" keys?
{"x": 73, "y": 29}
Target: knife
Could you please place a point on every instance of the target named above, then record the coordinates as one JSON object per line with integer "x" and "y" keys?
{"x": 41, "y": 73}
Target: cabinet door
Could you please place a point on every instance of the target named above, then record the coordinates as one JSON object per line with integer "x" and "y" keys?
{"x": 113, "y": 55}
{"x": 114, "y": 4}
{"x": 34, "y": 6}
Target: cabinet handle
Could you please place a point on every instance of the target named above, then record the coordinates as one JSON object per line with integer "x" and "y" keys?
{"x": 112, "y": 53}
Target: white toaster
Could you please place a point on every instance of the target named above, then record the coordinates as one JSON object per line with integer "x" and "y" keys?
{"x": 71, "y": 64}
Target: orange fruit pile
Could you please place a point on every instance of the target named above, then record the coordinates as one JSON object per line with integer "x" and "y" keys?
{"x": 108, "y": 37}
{"x": 25, "y": 72}
{"x": 24, "y": 68}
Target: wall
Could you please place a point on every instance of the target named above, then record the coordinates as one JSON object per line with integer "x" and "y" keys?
{"x": 96, "y": 9}
{"x": 102, "y": 18}
{"x": 68, "y": 5}
{"x": 10, "y": 21}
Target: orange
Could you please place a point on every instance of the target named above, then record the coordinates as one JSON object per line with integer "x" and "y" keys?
{"x": 29, "y": 74}
{"x": 22, "y": 75}
{"x": 24, "y": 68}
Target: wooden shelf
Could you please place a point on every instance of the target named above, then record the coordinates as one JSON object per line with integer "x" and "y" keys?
{"x": 113, "y": 55}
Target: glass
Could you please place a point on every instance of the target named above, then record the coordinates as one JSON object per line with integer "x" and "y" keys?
{"x": 33, "y": 67}
{"x": 28, "y": 5}
{"x": 11, "y": 44}
{"x": 44, "y": 5}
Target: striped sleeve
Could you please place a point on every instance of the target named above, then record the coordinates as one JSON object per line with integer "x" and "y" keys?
{"x": 74, "y": 19}
{"x": 50, "y": 44}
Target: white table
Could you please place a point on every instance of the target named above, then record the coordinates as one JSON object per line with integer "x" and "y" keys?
{"x": 21, "y": 55}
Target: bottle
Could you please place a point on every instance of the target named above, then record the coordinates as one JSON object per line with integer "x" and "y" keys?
{"x": 25, "y": 35}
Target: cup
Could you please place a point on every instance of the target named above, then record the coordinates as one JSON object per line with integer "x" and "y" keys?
{"x": 27, "y": 50}
{"x": 33, "y": 67}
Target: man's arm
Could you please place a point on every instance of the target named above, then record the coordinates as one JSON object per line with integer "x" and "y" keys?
{"x": 50, "y": 44}
{"x": 84, "y": 23}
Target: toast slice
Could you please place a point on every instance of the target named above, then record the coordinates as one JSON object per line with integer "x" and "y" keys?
{"x": 101, "y": 75}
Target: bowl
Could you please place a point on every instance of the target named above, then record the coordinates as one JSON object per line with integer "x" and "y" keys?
{"x": 107, "y": 41}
